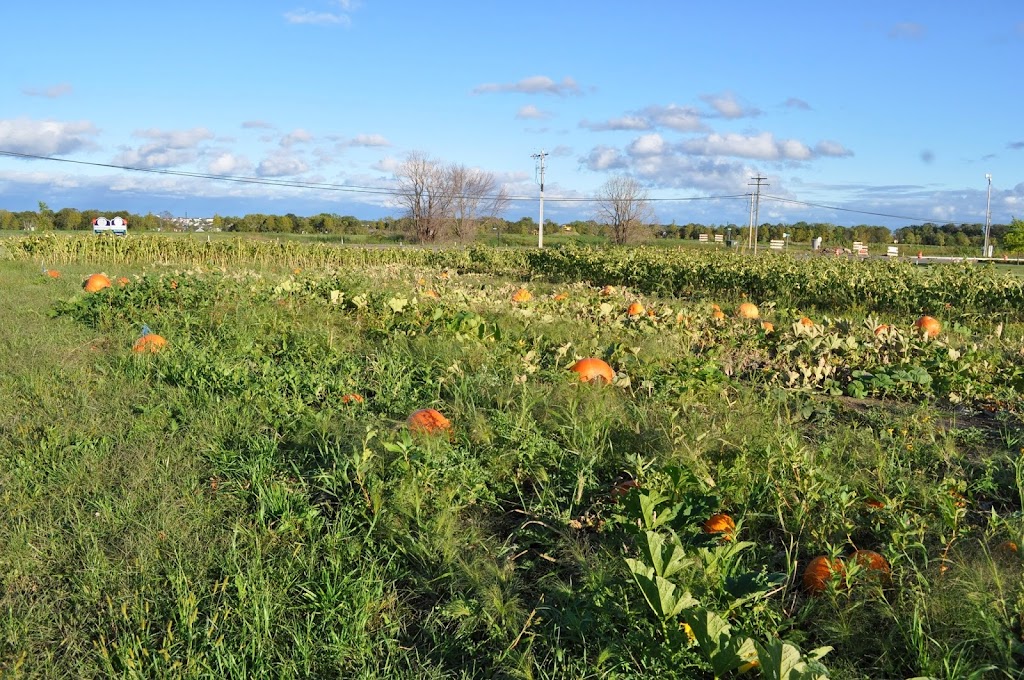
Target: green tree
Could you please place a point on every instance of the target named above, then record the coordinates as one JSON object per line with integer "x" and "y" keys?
{"x": 1014, "y": 238}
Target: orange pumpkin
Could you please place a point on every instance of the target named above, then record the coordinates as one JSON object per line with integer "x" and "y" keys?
{"x": 52, "y": 273}
{"x": 428, "y": 421}
{"x": 929, "y": 326}
{"x": 768, "y": 326}
{"x": 560, "y": 296}
{"x": 882, "y": 329}
{"x": 96, "y": 282}
{"x": 720, "y": 524}
{"x": 622, "y": 488}
{"x": 806, "y": 321}
{"x": 871, "y": 561}
{"x": 718, "y": 315}
{"x": 874, "y": 504}
{"x": 748, "y": 310}
{"x": 593, "y": 369}
{"x": 522, "y": 295}
{"x": 431, "y": 294}
{"x": 352, "y": 399}
{"x": 820, "y": 571}
{"x": 150, "y": 342}
{"x": 635, "y": 309}
{"x": 1008, "y": 548}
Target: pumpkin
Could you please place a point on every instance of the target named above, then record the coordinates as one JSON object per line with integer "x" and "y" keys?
{"x": 431, "y": 294}
{"x": 149, "y": 342}
{"x": 522, "y": 295}
{"x": 882, "y": 329}
{"x": 1008, "y": 547}
{"x": 52, "y": 273}
{"x": 929, "y": 326}
{"x": 607, "y": 290}
{"x": 593, "y": 369}
{"x": 768, "y": 326}
{"x": 352, "y": 399}
{"x": 635, "y": 309}
{"x": 123, "y": 281}
{"x": 874, "y": 504}
{"x": 718, "y": 315}
{"x": 806, "y": 321}
{"x": 622, "y": 488}
{"x": 748, "y": 310}
{"x": 720, "y": 524}
{"x": 871, "y": 561}
{"x": 560, "y": 296}
{"x": 296, "y": 271}
{"x": 428, "y": 421}
{"x": 96, "y": 282}
{"x": 820, "y": 571}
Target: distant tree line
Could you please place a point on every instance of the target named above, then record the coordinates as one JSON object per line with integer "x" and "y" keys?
{"x": 466, "y": 223}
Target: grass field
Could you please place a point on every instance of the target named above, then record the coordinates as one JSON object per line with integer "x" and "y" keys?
{"x": 252, "y": 500}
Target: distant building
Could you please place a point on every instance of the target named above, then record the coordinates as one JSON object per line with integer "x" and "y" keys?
{"x": 117, "y": 226}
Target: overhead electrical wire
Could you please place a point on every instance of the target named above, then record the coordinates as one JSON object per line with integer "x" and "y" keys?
{"x": 385, "y": 191}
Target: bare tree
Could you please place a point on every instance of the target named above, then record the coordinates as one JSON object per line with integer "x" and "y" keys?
{"x": 425, "y": 191}
{"x": 477, "y": 198}
{"x": 623, "y": 205}
{"x": 447, "y": 200}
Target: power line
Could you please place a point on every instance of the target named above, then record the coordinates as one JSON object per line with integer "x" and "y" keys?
{"x": 758, "y": 182}
{"x": 849, "y": 210}
{"x": 386, "y": 191}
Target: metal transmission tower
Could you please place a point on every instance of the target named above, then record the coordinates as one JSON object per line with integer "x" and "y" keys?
{"x": 540, "y": 171}
{"x": 756, "y": 203}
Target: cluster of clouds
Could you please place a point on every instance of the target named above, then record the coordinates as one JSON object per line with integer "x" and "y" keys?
{"x": 676, "y": 145}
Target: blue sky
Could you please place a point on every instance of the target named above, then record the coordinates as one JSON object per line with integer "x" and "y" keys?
{"x": 891, "y": 107}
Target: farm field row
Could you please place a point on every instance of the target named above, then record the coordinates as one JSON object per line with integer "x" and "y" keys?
{"x": 744, "y": 495}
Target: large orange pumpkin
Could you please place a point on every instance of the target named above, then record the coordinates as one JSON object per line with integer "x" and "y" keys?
{"x": 593, "y": 369}
{"x": 150, "y": 342}
{"x": 820, "y": 571}
{"x": 522, "y": 295}
{"x": 96, "y": 282}
{"x": 872, "y": 562}
{"x": 635, "y": 309}
{"x": 748, "y": 310}
{"x": 428, "y": 421}
{"x": 720, "y": 524}
{"x": 929, "y": 326}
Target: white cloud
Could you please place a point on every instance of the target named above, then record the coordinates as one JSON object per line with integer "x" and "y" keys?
{"x": 532, "y": 85}
{"x": 796, "y": 103}
{"x": 621, "y": 123}
{"x": 280, "y": 165}
{"x": 168, "y": 148}
{"x": 561, "y": 151}
{"x": 647, "y": 145}
{"x": 726, "y": 106}
{"x": 227, "y": 164}
{"x": 46, "y": 137}
{"x": 762, "y": 146}
{"x": 310, "y": 17}
{"x": 51, "y": 92}
{"x": 369, "y": 140}
{"x": 176, "y": 139}
{"x": 604, "y": 158}
{"x": 531, "y": 112}
{"x": 829, "y": 148}
{"x": 678, "y": 118}
{"x": 296, "y": 136}
{"x": 257, "y": 124}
